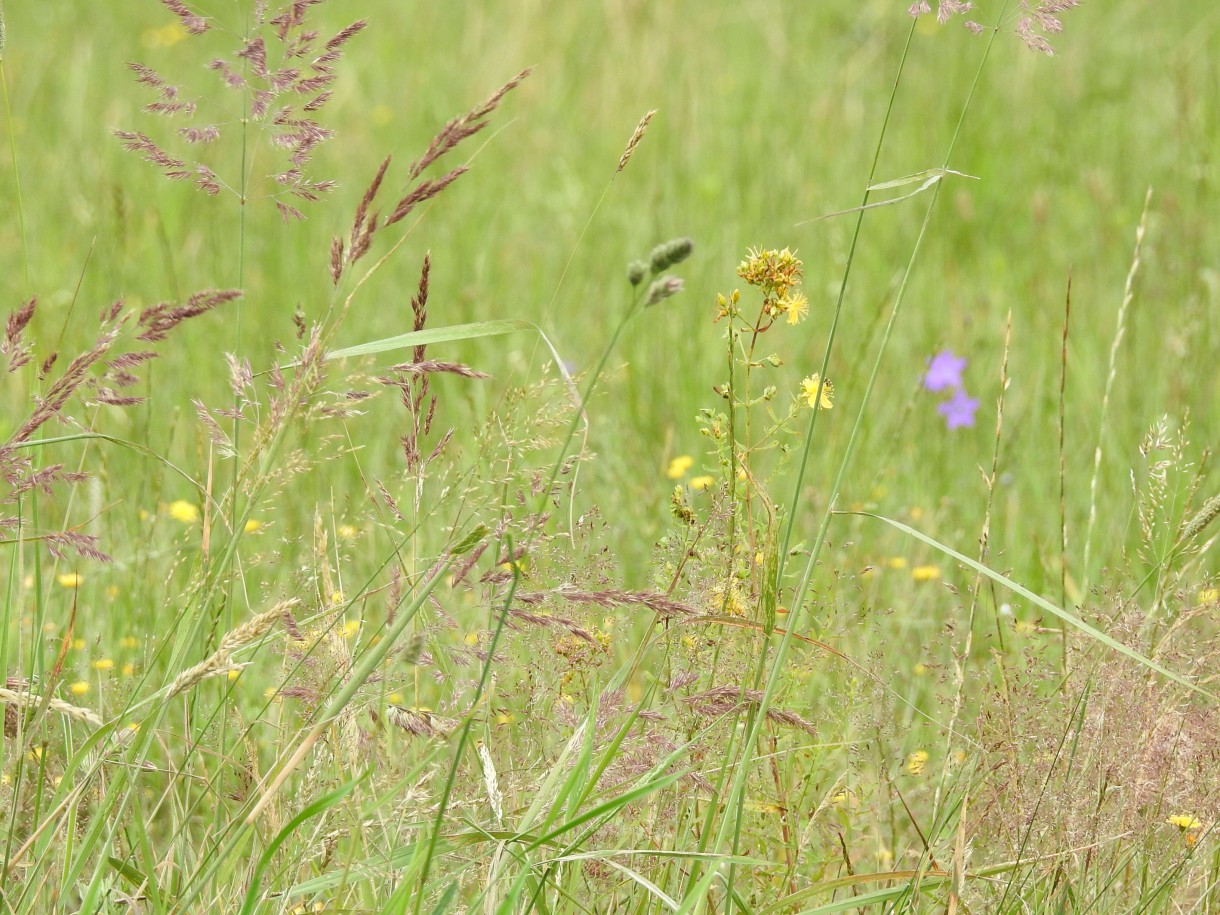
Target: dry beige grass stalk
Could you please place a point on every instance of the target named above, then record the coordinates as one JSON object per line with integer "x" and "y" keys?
{"x": 636, "y": 136}
{"x": 221, "y": 661}
{"x": 30, "y": 700}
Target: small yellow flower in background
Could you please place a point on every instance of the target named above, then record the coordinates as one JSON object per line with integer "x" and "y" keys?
{"x": 270, "y": 693}
{"x": 1184, "y": 822}
{"x": 505, "y": 718}
{"x": 129, "y": 641}
{"x": 129, "y": 670}
{"x": 919, "y": 669}
{"x": 347, "y": 531}
{"x": 233, "y": 675}
{"x": 896, "y": 562}
{"x": 186, "y": 512}
{"x": 885, "y": 857}
{"x": 845, "y": 798}
{"x": 1024, "y": 626}
{"x": 925, "y": 573}
{"x": 1207, "y": 595}
{"x": 79, "y": 688}
{"x": 143, "y": 514}
{"x": 472, "y": 638}
{"x": 70, "y": 580}
{"x": 917, "y": 761}
{"x": 809, "y": 391}
{"x": 252, "y": 525}
{"x": 103, "y": 664}
{"x": 702, "y": 482}
{"x": 679, "y": 465}
{"x": 795, "y": 306}
{"x": 337, "y": 598}
{"x": 112, "y": 591}
{"x": 133, "y": 725}
{"x": 78, "y": 644}
{"x": 350, "y": 628}
{"x": 915, "y": 513}
{"x": 165, "y": 36}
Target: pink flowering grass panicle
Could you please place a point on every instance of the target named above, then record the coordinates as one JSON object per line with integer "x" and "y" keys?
{"x": 95, "y": 376}
{"x": 1035, "y": 21}
{"x": 284, "y": 91}
{"x": 366, "y": 223}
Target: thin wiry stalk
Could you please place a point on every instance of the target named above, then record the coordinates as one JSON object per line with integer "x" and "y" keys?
{"x": 442, "y": 808}
{"x": 963, "y": 659}
{"x": 777, "y": 663}
{"x": 1119, "y": 330}
{"x": 1063, "y": 531}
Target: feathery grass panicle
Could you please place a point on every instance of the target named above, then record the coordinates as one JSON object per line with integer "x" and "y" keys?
{"x": 636, "y": 136}
{"x": 221, "y": 661}
{"x": 1202, "y": 518}
{"x": 191, "y": 21}
{"x": 420, "y": 722}
{"x": 30, "y": 700}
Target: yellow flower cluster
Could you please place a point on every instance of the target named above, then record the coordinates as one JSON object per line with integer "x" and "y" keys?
{"x": 777, "y": 274}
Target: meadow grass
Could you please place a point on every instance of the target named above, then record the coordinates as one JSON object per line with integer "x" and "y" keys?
{"x": 476, "y": 542}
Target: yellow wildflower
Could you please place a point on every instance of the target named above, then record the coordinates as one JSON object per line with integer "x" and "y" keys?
{"x": 70, "y": 580}
{"x": 701, "y": 482}
{"x": 795, "y": 306}
{"x": 129, "y": 641}
{"x": 252, "y": 525}
{"x": 809, "y": 391}
{"x": 165, "y": 36}
{"x": 350, "y": 628}
{"x": 184, "y": 511}
{"x": 103, "y": 664}
{"x": 679, "y": 465}
{"x": 347, "y": 531}
{"x": 917, "y": 761}
{"x": 1207, "y": 595}
{"x": 925, "y": 573}
{"x": 774, "y": 272}
{"x": 896, "y": 562}
{"x": 79, "y": 688}
{"x": 1184, "y": 822}
{"x": 129, "y": 669}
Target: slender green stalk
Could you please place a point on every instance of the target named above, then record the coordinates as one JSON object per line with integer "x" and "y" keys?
{"x": 781, "y": 651}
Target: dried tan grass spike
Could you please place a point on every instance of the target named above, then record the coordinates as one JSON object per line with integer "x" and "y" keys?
{"x": 635, "y": 140}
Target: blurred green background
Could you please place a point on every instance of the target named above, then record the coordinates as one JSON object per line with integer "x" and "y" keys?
{"x": 768, "y": 116}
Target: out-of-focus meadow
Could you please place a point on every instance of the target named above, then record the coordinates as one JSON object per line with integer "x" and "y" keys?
{"x": 912, "y": 678}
